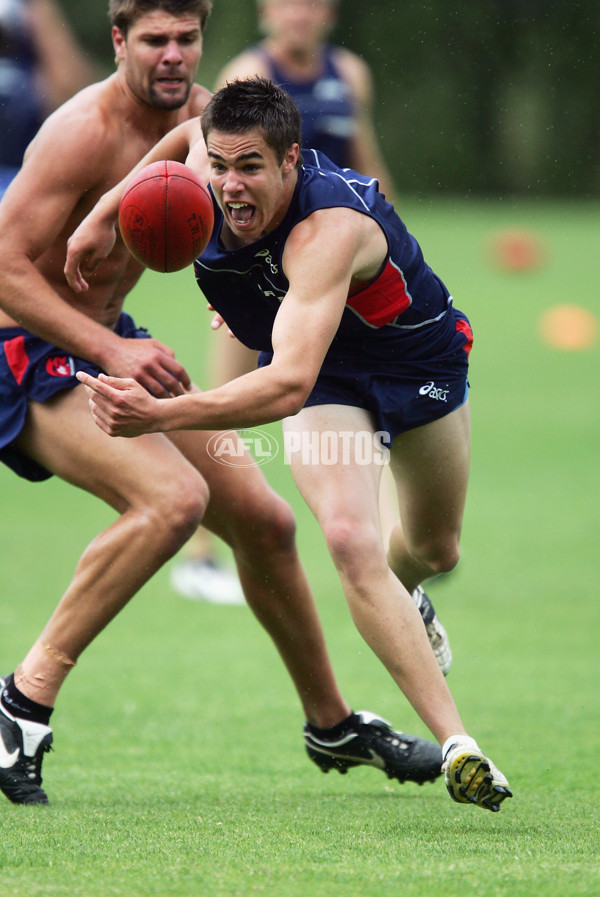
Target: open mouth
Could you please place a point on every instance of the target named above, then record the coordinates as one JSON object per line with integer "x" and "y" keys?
{"x": 170, "y": 82}
{"x": 241, "y": 213}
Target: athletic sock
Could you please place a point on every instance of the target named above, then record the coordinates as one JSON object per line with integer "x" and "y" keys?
{"x": 21, "y": 706}
{"x": 464, "y": 741}
{"x": 335, "y": 732}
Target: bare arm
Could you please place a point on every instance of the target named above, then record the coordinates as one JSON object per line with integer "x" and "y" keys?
{"x": 33, "y": 213}
{"x": 366, "y": 155}
{"x": 305, "y": 325}
{"x": 94, "y": 238}
{"x": 64, "y": 67}
{"x": 247, "y": 65}
{"x": 63, "y": 163}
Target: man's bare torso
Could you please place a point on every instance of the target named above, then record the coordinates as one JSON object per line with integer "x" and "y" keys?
{"x": 108, "y": 132}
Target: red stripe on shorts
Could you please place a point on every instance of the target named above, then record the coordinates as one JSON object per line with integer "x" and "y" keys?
{"x": 17, "y": 359}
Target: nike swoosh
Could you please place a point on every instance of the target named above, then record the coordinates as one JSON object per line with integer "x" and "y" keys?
{"x": 7, "y": 760}
{"x": 373, "y": 760}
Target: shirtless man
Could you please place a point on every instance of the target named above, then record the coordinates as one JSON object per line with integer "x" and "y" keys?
{"x": 161, "y": 487}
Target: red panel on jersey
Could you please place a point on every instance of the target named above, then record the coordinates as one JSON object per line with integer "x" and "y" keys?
{"x": 382, "y": 301}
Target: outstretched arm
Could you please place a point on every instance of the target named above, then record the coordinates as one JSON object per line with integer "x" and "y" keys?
{"x": 305, "y": 324}
{"x": 95, "y": 237}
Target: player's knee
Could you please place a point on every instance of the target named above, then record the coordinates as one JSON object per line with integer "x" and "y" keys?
{"x": 268, "y": 528}
{"x": 353, "y": 546}
{"x": 181, "y": 507}
{"x": 281, "y": 527}
{"x": 440, "y": 555}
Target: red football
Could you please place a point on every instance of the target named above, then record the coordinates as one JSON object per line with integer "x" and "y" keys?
{"x": 166, "y": 216}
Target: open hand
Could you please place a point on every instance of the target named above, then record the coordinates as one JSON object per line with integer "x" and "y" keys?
{"x": 121, "y": 407}
{"x": 87, "y": 246}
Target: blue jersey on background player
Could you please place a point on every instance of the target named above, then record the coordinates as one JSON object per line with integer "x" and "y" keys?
{"x": 22, "y": 109}
{"x": 325, "y": 103}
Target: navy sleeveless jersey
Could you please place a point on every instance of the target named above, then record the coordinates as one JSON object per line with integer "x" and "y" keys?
{"x": 405, "y": 313}
{"x": 21, "y": 105}
{"x": 325, "y": 104}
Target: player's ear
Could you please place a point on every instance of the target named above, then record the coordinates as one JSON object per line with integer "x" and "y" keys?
{"x": 119, "y": 41}
{"x": 291, "y": 158}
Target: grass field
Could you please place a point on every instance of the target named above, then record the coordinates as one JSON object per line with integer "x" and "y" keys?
{"x": 179, "y": 768}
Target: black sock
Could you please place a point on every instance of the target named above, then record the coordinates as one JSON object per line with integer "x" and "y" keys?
{"x": 335, "y": 732}
{"x": 21, "y": 706}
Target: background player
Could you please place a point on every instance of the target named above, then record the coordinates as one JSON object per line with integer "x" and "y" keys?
{"x": 41, "y": 66}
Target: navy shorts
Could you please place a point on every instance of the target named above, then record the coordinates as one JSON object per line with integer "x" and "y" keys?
{"x": 400, "y": 394}
{"x": 32, "y": 370}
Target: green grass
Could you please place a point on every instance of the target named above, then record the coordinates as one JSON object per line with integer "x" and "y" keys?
{"x": 179, "y": 768}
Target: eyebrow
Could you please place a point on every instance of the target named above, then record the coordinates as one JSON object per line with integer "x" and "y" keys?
{"x": 190, "y": 32}
{"x": 243, "y": 158}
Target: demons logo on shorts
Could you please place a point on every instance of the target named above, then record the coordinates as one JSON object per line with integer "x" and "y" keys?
{"x": 60, "y": 366}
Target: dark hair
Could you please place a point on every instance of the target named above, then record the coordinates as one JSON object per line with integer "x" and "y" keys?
{"x": 255, "y": 104}
{"x": 123, "y": 13}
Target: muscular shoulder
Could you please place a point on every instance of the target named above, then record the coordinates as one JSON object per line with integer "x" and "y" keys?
{"x": 361, "y": 245}
{"x": 355, "y": 72}
{"x": 198, "y": 99}
{"x": 77, "y": 138}
{"x": 246, "y": 65}
{"x": 95, "y": 138}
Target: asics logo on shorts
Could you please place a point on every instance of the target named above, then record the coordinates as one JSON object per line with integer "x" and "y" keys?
{"x": 60, "y": 366}
{"x": 434, "y": 392}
